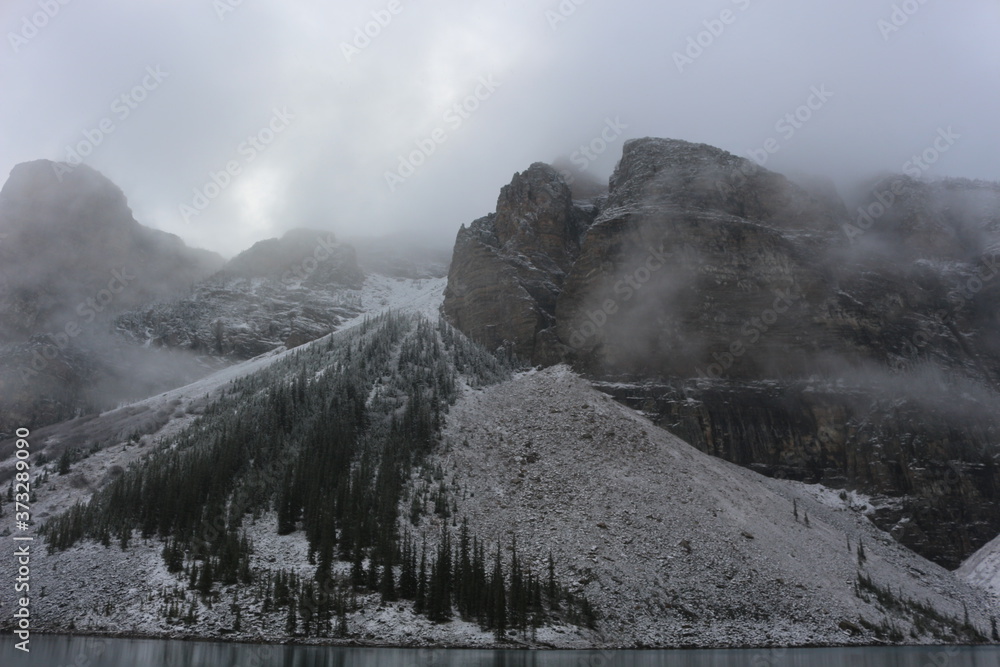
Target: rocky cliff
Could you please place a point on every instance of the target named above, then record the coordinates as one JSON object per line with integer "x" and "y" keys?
{"x": 767, "y": 324}
{"x": 285, "y": 291}
{"x": 509, "y": 267}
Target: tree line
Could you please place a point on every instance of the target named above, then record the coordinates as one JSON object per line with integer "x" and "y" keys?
{"x": 327, "y": 439}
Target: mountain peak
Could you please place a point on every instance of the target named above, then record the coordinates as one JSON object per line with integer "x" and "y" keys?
{"x": 308, "y": 255}
{"x": 56, "y": 196}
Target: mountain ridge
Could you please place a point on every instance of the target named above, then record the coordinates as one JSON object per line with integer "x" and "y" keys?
{"x": 734, "y": 306}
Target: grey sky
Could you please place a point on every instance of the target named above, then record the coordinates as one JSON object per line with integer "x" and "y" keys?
{"x": 546, "y": 88}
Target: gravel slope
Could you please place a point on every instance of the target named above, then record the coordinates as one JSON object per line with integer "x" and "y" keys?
{"x": 673, "y": 546}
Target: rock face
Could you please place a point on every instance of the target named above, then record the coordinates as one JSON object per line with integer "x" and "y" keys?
{"x": 509, "y": 267}
{"x": 285, "y": 291}
{"x": 766, "y": 324}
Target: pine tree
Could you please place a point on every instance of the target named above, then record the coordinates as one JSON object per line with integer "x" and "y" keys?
{"x": 463, "y": 570}
{"x": 408, "y": 575}
{"x": 205, "y": 578}
{"x": 499, "y": 601}
{"x": 420, "y": 605}
{"x": 388, "y": 587}
{"x": 307, "y": 598}
{"x": 358, "y": 569}
{"x": 341, "y": 615}
{"x": 551, "y": 589}
{"x": 517, "y": 602}
{"x": 291, "y": 622}
{"x": 372, "y": 572}
{"x": 65, "y": 460}
{"x": 440, "y": 585}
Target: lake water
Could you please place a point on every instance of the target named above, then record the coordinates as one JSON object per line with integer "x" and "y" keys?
{"x": 64, "y": 651}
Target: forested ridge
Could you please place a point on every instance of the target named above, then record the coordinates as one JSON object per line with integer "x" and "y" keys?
{"x": 331, "y": 441}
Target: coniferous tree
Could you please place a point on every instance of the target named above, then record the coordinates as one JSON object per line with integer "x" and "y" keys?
{"x": 420, "y": 605}
{"x": 499, "y": 601}
{"x": 464, "y": 576}
{"x": 408, "y": 575}
{"x": 550, "y": 588}
{"x": 358, "y": 569}
{"x": 516, "y": 601}
{"x": 205, "y": 578}
{"x": 65, "y": 461}
{"x": 341, "y": 630}
{"x": 291, "y": 621}
{"x": 372, "y": 578}
{"x": 388, "y": 586}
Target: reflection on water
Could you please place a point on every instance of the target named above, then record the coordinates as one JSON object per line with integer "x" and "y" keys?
{"x": 63, "y": 651}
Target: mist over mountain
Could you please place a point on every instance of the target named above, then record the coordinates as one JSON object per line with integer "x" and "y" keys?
{"x": 766, "y": 321}
{"x": 279, "y": 292}
{"x": 73, "y": 257}
{"x": 72, "y": 251}
{"x": 329, "y": 420}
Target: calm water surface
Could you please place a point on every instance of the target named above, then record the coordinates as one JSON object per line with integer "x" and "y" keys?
{"x": 64, "y": 651}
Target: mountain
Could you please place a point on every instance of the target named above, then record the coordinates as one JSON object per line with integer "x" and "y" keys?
{"x": 402, "y": 255}
{"x": 509, "y": 267}
{"x": 72, "y": 256}
{"x": 69, "y": 237}
{"x": 307, "y": 493}
{"x": 284, "y": 291}
{"x": 765, "y": 323}
{"x": 356, "y": 469}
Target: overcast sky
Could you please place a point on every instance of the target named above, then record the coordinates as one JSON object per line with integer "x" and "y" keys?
{"x": 883, "y": 79}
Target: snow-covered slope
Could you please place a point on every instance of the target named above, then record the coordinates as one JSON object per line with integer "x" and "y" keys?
{"x": 117, "y": 437}
{"x": 672, "y": 547}
{"x": 676, "y": 547}
{"x": 982, "y": 569}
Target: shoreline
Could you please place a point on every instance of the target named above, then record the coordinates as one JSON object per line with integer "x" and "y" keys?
{"x": 330, "y": 642}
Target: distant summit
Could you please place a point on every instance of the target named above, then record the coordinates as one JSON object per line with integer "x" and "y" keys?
{"x": 66, "y": 231}
{"x": 307, "y": 256}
